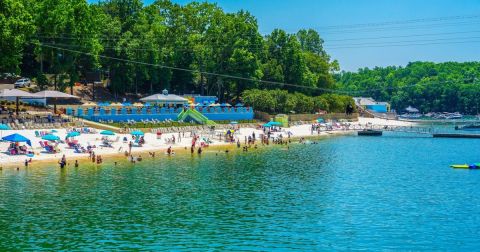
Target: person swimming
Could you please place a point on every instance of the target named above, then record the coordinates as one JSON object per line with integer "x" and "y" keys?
{"x": 76, "y": 163}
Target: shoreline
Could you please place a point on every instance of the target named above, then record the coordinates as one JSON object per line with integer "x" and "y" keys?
{"x": 159, "y": 152}
{"x": 159, "y": 146}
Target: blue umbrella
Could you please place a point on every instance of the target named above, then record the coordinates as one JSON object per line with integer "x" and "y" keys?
{"x": 50, "y": 137}
{"x": 107, "y": 133}
{"x": 4, "y": 127}
{"x": 320, "y": 120}
{"x": 267, "y": 125}
{"x": 126, "y": 104}
{"x": 17, "y": 138}
{"x": 137, "y": 133}
{"x": 73, "y": 134}
{"x": 239, "y": 105}
{"x": 234, "y": 122}
{"x": 275, "y": 123}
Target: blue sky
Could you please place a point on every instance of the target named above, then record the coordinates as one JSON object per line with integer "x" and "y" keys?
{"x": 448, "y": 39}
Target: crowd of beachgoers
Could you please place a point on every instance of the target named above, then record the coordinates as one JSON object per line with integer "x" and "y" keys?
{"x": 76, "y": 144}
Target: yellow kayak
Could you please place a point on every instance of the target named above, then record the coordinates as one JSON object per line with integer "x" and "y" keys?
{"x": 460, "y": 166}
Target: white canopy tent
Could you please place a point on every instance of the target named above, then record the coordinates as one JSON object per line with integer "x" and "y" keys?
{"x": 165, "y": 98}
{"x": 17, "y": 94}
{"x": 56, "y": 95}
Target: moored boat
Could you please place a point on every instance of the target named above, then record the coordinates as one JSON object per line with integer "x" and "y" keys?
{"x": 369, "y": 132}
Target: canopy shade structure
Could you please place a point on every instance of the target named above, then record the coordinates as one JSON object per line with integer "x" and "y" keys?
{"x": 137, "y": 133}
{"x": 275, "y": 123}
{"x": 56, "y": 95}
{"x": 107, "y": 133}
{"x": 89, "y": 104}
{"x": 72, "y": 134}
{"x": 165, "y": 98}
{"x": 51, "y": 137}
{"x": 4, "y": 127}
{"x": 7, "y": 93}
{"x": 103, "y": 104}
{"x": 17, "y": 138}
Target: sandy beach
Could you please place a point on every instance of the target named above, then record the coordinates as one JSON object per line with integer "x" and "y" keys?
{"x": 152, "y": 144}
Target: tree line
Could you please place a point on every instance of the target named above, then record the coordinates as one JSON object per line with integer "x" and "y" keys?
{"x": 281, "y": 101}
{"x": 430, "y": 87}
{"x": 71, "y": 38}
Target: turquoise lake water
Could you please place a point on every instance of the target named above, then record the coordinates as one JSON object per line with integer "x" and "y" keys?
{"x": 389, "y": 192}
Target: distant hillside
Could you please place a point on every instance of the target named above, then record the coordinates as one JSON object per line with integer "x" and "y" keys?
{"x": 449, "y": 86}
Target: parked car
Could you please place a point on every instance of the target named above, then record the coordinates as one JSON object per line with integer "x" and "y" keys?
{"x": 23, "y": 82}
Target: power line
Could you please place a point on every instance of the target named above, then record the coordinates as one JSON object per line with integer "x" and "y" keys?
{"x": 402, "y": 36}
{"x": 400, "y": 45}
{"x": 405, "y": 41}
{"x": 193, "y": 71}
{"x": 420, "y": 20}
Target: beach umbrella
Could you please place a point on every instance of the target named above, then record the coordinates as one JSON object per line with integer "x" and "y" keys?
{"x": 239, "y": 105}
{"x": 107, "y": 133}
{"x": 50, "y": 137}
{"x": 137, "y": 133}
{"x": 116, "y": 104}
{"x": 275, "y": 123}
{"x": 214, "y": 105}
{"x": 89, "y": 104}
{"x": 55, "y": 95}
{"x": 103, "y": 104}
{"x": 4, "y": 127}
{"x": 225, "y": 105}
{"x": 72, "y": 134}
{"x": 320, "y": 120}
{"x": 17, "y": 94}
{"x": 234, "y": 122}
{"x": 138, "y": 104}
{"x": 126, "y": 104}
{"x": 267, "y": 125}
{"x": 17, "y": 138}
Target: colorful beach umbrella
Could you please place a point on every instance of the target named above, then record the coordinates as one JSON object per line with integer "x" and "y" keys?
{"x": 137, "y": 133}
{"x": 4, "y": 127}
{"x": 17, "y": 138}
{"x": 50, "y": 137}
{"x": 107, "y": 133}
{"x": 73, "y": 134}
{"x": 275, "y": 123}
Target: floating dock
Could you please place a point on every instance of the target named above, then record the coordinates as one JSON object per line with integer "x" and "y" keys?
{"x": 456, "y": 135}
